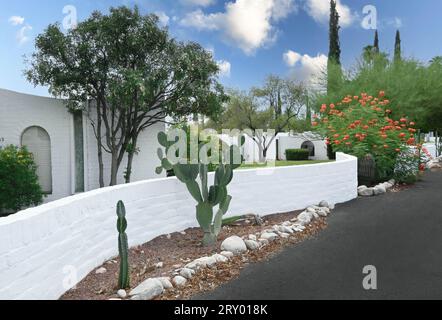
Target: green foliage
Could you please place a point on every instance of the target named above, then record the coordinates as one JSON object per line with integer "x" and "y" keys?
{"x": 297, "y": 154}
{"x": 364, "y": 125}
{"x": 133, "y": 69}
{"x": 407, "y": 167}
{"x": 123, "y": 247}
{"x": 207, "y": 198}
{"x": 415, "y": 87}
{"x": 19, "y": 187}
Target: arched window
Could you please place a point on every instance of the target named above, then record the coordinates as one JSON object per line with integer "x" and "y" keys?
{"x": 38, "y": 142}
{"x": 310, "y": 147}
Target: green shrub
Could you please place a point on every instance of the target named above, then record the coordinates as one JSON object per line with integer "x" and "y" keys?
{"x": 297, "y": 154}
{"x": 19, "y": 186}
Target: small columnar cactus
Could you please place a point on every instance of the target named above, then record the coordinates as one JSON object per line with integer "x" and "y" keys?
{"x": 123, "y": 248}
{"x": 207, "y": 197}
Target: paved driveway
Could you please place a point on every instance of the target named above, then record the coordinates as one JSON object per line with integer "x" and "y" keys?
{"x": 399, "y": 233}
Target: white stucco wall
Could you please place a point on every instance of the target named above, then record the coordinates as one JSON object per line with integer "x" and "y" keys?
{"x": 19, "y": 111}
{"x": 41, "y": 247}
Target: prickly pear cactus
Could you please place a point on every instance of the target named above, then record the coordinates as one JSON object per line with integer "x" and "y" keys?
{"x": 214, "y": 201}
{"x": 123, "y": 248}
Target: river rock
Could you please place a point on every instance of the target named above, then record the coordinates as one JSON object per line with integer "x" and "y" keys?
{"x": 187, "y": 273}
{"x": 269, "y": 236}
{"x": 179, "y": 281}
{"x": 252, "y": 245}
{"x": 147, "y": 290}
{"x": 234, "y": 244}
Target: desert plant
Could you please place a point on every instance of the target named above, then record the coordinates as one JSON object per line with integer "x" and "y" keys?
{"x": 207, "y": 197}
{"x": 365, "y": 125}
{"x": 123, "y": 248}
{"x": 19, "y": 187}
{"x": 297, "y": 154}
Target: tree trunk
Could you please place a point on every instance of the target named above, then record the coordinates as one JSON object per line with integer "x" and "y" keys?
{"x": 114, "y": 168}
{"x": 100, "y": 148}
{"x": 130, "y": 157}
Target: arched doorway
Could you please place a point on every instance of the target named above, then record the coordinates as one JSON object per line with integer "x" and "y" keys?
{"x": 38, "y": 142}
{"x": 310, "y": 147}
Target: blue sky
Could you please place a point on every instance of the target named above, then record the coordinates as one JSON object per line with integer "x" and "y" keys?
{"x": 250, "y": 38}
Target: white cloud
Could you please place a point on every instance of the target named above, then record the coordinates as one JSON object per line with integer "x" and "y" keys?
{"x": 164, "y": 18}
{"x": 16, "y": 20}
{"x": 224, "y": 68}
{"x": 200, "y": 3}
{"x": 304, "y": 67}
{"x": 291, "y": 58}
{"x": 197, "y": 19}
{"x": 22, "y": 37}
{"x": 320, "y": 11}
{"x": 248, "y": 24}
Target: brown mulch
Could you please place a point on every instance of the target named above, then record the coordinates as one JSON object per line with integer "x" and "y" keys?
{"x": 177, "y": 250}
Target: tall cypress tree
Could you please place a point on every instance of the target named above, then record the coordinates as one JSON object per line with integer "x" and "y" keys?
{"x": 397, "y": 47}
{"x": 334, "y": 56}
{"x": 376, "y": 42}
{"x": 334, "y": 71}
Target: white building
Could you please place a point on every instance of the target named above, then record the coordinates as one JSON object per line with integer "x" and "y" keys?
{"x": 64, "y": 145}
{"x": 282, "y": 142}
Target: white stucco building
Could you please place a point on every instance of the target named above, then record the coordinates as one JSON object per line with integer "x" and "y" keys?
{"x": 64, "y": 145}
{"x": 282, "y": 142}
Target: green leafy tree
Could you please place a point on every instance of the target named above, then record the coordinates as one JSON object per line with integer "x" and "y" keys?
{"x": 135, "y": 73}
{"x": 277, "y": 106}
{"x": 19, "y": 187}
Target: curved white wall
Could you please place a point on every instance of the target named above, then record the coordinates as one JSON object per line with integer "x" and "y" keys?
{"x": 40, "y": 248}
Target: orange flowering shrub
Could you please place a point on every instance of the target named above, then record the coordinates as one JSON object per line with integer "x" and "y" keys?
{"x": 363, "y": 125}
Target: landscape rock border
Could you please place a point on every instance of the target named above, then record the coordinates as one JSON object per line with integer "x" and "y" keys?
{"x": 233, "y": 246}
{"x": 382, "y": 188}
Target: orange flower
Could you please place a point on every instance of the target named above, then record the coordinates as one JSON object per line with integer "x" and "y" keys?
{"x": 386, "y": 146}
{"x": 381, "y": 94}
{"x": 332, "y": 106}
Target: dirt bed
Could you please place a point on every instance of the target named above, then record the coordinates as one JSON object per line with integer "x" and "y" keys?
{"x": 178, "y": 249}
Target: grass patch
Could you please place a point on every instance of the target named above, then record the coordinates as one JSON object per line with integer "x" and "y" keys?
{"x": 282, "y": 164}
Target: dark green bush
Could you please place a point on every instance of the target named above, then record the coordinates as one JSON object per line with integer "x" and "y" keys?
{"x": 19, "y": 186}
{"x": 297, "y": 154}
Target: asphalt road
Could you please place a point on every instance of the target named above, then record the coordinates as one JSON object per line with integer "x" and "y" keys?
{"x": 398, "y": 233}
